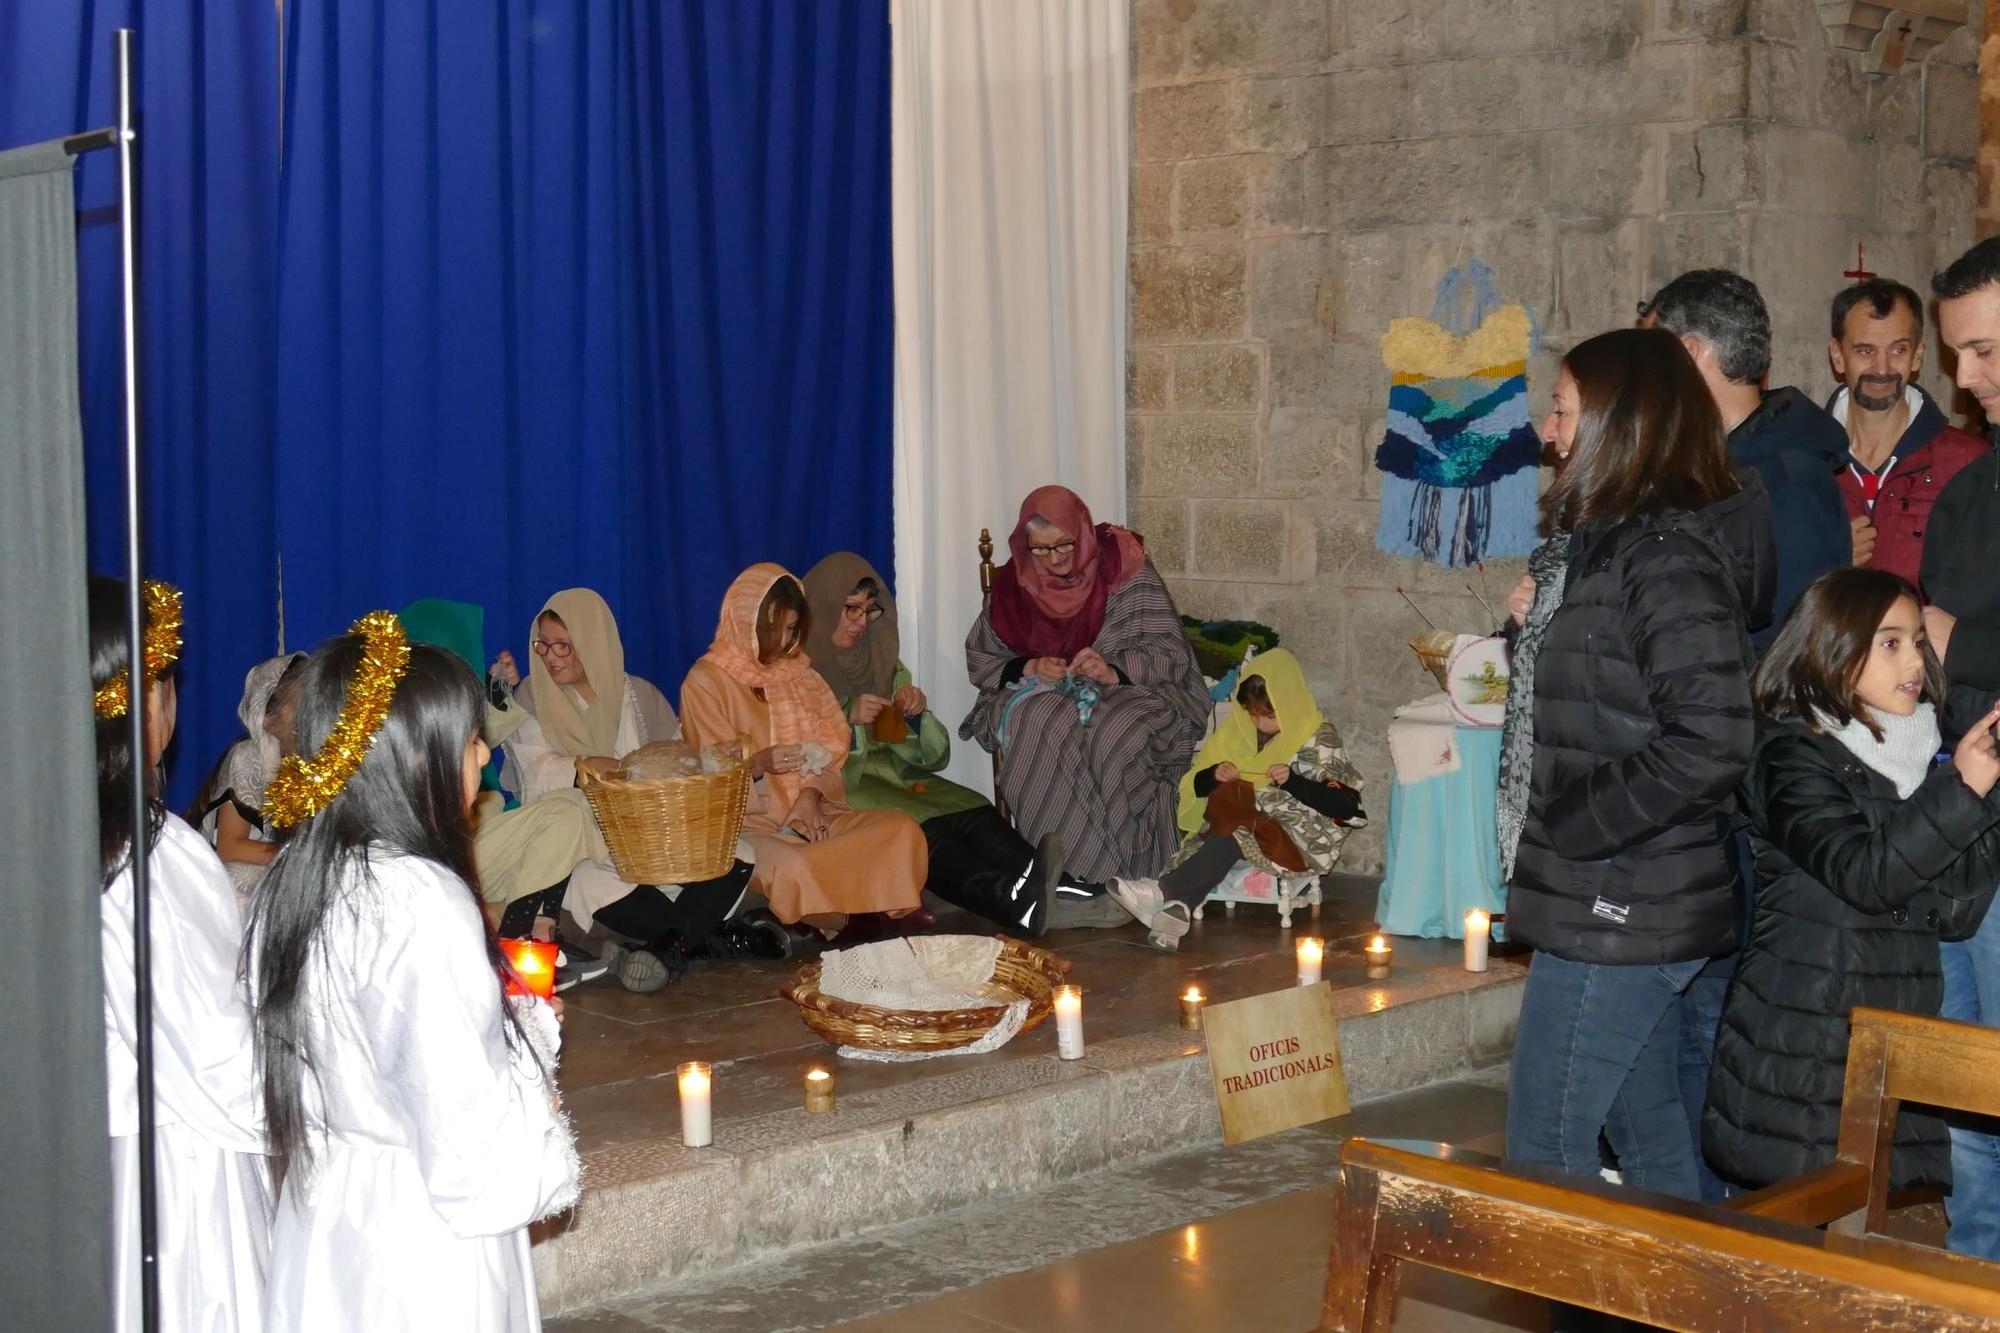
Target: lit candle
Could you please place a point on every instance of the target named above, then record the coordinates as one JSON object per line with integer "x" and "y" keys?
{"x": 1378, "y": 952}
{"x": 1191, "y": 1007}
{"x": 697, "y": 1124}
{"x": 1069, "y": 1022}
{"x": 819, "y": 1090}
{"x": 534, "y": 966}
{"x": 1311, "y": 950}
{"x": 1478, "y": 933}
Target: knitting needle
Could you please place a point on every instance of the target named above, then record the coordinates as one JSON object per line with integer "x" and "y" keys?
{"x": 1414, "y": 607}
{"x": 1482, "y": 601}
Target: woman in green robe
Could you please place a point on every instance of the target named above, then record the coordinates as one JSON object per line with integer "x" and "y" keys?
{"x": 977, "y": 860}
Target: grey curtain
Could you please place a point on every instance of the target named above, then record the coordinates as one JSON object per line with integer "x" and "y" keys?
{"x": 55, "y": 1261}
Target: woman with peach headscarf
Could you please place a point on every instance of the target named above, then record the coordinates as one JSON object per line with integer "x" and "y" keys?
{"x": 818, "y": 860}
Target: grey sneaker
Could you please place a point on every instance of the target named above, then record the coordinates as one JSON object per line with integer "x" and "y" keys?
{"x": 1168, "y": 925}
{"x": 574, "y": 966}
{"x": 1070, "y": 910}
{"x": 1141, "y": 897}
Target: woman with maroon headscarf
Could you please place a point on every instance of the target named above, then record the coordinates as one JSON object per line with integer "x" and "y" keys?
{"x": 1088, "y": 690}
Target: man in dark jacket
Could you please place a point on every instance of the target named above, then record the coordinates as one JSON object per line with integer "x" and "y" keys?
{"x": 1795, "y": 446}
{"x": 1963, "y": 620}
{"x": 1901, "y": 452}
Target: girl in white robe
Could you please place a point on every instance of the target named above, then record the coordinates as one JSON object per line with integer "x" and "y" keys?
{"x": 212, "y": 1207}
{"x": 414, "y": 1119}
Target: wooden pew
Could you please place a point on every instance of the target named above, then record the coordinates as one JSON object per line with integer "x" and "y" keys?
{"x": 1756, "y": 1264}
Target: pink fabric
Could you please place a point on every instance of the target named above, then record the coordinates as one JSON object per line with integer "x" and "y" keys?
{"x": 1038, "y": 614}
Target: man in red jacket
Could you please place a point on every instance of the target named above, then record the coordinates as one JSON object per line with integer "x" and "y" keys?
{"x": 1901, "y": 450}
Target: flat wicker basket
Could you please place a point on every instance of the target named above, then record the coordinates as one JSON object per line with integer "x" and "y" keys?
{"x": 677, "y": 830}
{"x": 1022, "y": 972}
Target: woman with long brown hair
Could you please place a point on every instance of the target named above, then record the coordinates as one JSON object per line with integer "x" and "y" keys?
{"x": 1639, "y": 730}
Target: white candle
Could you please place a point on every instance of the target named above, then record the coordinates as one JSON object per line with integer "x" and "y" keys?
{"x": 697, "y": 1122}
{"x": 1311, "y": 951}
{"x": 1378, "y": 953}
{"x": 1478, "y": 934}
{"x": 1069, "y": 1022}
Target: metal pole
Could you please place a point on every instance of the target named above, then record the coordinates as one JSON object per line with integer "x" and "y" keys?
{"x": 142, "y": 951}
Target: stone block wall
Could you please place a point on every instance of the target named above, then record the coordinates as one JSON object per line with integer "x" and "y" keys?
{"x": 1305, "y": 170}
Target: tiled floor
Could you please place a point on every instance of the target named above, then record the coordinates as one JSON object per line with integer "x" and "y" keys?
{"x": 619, "y": 1049}
{"x": 1207, "y": 1240}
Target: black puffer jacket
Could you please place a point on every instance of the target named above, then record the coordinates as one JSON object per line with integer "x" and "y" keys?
{"x": 1853, "y": 886}
{"x": 1643, "y": 730}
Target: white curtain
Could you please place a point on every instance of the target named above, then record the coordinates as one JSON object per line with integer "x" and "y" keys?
{"x": 1009, "y": 193}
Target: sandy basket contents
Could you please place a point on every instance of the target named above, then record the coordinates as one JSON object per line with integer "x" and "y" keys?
{"x": 930, "y": 994}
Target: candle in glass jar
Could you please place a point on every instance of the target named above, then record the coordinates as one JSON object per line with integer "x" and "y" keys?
{"x": 534, "y": 965}
{"x": 1311, "y": 951}
{"x": 1192, "y": 1003}
{"x": 1478, "y": 934}
{"x": 1378, "y": 953}
{"x": 819, "y": 1090}
{"x": 1069, "y": 1022}
{"x": 697, "y": 1122}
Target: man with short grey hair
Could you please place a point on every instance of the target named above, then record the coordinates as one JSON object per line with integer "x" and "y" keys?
{"x": 1790, "y": 440}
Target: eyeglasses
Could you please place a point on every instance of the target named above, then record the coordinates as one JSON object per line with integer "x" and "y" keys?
{"x": 869, "y": 612}
{"x": 1050, "y": 552}
{"x": 552, "y": 647}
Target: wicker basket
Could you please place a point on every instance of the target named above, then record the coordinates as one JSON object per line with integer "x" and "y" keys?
{"x": 1022, "y": 972}
{"x": 1433, "y": 650}
{"x": 678, "y": 830}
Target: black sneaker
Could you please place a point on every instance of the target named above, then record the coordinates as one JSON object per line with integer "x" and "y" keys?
{"x": 755, "y": 934}
{"x": 654, "y": 966}
{"x": 1032, "y": 898}
{"x": 574, "y": 967}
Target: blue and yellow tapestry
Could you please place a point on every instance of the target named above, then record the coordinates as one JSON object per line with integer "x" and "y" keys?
{"x": 1459, "y": 456}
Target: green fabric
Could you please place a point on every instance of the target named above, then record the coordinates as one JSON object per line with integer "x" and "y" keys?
{"x": 460, "y": 629}
{"x": 881, "y": 777}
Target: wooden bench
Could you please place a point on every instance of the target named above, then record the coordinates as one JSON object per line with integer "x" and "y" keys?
{"x": 1756, "y": 1264}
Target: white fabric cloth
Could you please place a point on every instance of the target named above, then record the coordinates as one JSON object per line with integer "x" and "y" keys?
{"x": 436, "y": 1140}
{"x": 1905, "y": 754}
{"x": 1009, "y": 169}
{"x": 1476, "y": 676}
{"x": 924, "y": 973}
{"x": 1423, "y": 739}
{"x": 213, "y": 1208}
{"x": 534, "y": 766}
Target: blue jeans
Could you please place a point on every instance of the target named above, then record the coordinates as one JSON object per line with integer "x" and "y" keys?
{"x": 1596, "y": 1053}
{"x": 1972, "y": 995}
{"x": 1701, "y": 1018}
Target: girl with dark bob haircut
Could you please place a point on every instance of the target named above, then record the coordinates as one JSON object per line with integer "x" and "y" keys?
{"x": 415, "y": 1129}
{"x": 1868, "y": 851}
{"x": 1629, "y": 730}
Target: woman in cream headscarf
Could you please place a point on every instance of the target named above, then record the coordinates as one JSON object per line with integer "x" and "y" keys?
{"x": 549, "y": 854}
{"x": 230, "y": 809}
{"x": 1271, "y": 786}
{"x": 818, "y": 860}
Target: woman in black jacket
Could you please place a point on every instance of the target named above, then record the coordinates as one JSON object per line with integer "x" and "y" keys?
{"x": 1640, "y": 731}
{"x": 1866, "y": 851}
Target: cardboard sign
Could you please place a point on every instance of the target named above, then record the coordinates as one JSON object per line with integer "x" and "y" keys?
{"x": 1276, "y": 1061}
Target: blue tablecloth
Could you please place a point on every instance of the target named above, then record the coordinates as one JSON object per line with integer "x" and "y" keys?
{"x": 1444, "y": 856}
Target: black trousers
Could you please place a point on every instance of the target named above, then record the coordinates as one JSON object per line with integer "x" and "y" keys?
{"x": 646, "y": 914}
{"x": 976, "y": 859}
{"x": 1195, "y": 878}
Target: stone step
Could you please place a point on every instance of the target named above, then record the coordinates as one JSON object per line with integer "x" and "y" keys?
{"x": 655, "y": 1212}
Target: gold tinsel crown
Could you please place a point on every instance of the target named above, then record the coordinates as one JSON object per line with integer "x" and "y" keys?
{"x": 160, "y": 647}
{"x": 304, "y": 787}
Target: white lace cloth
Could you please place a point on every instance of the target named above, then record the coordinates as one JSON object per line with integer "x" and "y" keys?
{"x": 928, "y": 973}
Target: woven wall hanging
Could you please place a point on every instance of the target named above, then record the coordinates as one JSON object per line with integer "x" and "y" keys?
{"x": 1459, "y": 456}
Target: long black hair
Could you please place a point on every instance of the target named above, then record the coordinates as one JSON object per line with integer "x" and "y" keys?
{"x": 110, "y": 658}
{"x": 1813, "y": 668}
{"x": 408, "y": 799}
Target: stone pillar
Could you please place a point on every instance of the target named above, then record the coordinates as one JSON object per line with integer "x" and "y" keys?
{"x": 1989, "y": 122}
{"x": 1306, "y": 170}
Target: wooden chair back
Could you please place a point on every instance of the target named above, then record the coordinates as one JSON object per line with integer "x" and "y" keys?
{"x": 1639, "y": 1256}
{"x": 985, "y": 602}
{"x": 1892, "y": 1058}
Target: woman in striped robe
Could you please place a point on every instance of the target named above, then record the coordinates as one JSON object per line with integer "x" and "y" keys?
{"x": 1088, "y": 690}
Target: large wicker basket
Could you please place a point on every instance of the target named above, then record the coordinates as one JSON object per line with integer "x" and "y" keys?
{"x": 678, "y": 830}
{"x": 1022, "y": 972}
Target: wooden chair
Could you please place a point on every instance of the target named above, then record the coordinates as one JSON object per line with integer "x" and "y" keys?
{"x": 986, "y": 601}
{"x": 1757, "y": 1263}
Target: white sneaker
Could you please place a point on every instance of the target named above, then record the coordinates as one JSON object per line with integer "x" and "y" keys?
{"x": 1167, "y": 926}
{"x": 1141, "y": 897}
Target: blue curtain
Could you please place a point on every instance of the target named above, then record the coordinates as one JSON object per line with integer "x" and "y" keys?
{"x": 580, "y": 294}
{"x": 208, "y": 103}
